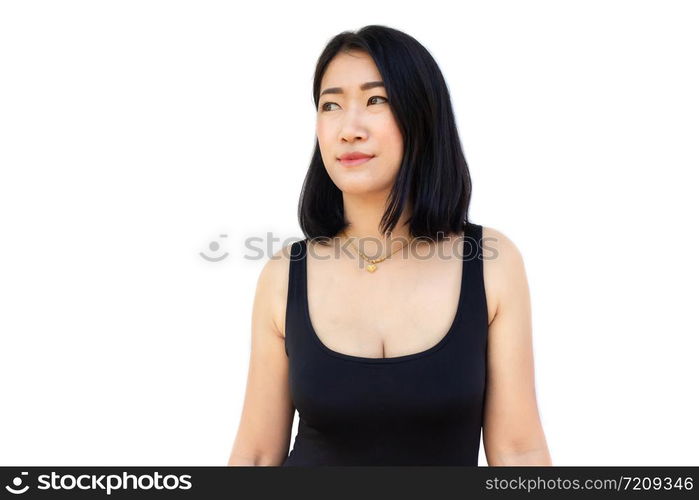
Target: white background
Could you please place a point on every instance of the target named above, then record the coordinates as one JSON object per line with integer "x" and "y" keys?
{"x": 134, "y": 133}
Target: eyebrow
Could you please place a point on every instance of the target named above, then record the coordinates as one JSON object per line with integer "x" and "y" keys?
{"x": 363, "y": 86}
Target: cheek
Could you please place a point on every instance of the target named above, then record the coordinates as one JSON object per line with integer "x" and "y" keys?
{"x": 391, "y": 149}
{"x": 320, "y": 132}
{"x": 325, "y": 126}
{"x": 324, "y": 136}
{"x": 392, "y": 140}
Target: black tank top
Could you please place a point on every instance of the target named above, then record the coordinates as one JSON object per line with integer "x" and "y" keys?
{"x": 424, "y": 408}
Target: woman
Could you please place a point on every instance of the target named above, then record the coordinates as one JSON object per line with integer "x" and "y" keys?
{"x": 391, "y": 328}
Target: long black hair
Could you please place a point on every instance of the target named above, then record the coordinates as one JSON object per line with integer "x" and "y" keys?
{"x": 433, "y": 178}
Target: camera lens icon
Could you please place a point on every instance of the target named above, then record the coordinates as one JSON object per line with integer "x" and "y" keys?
{"x": 17, "y": 482}
{"x": 214, "y": 246}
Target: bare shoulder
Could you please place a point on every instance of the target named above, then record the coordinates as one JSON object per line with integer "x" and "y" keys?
{"x": 272, "y": 288}
{"x": 504, "y": 272}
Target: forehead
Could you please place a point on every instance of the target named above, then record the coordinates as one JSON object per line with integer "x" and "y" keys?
{"x": 349, "y": 71}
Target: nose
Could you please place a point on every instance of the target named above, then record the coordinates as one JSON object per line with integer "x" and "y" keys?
{"x": 352, "y": 128}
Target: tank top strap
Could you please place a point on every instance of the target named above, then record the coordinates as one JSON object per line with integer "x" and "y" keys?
{"x": 473, "y": 284}
{"x": 473, "y": 244}
{"x": 296, "y": 291}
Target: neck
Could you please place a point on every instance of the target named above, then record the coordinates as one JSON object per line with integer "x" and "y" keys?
{"x": 363, "y": 214}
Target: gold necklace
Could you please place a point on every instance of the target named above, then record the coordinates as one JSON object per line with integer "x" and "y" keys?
{"x": 372, "y": 262}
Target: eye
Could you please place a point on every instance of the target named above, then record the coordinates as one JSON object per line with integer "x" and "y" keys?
{"x": 324, "y": 108}
{"x": 379, "y": 97}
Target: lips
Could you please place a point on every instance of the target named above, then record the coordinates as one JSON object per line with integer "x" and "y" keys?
{"x": 356, "y": 161}
{"x": 354, "y": 158}
{"x": 355, "y": 155}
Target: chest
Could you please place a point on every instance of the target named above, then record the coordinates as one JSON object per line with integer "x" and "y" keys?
{"x": 395, "y": 311}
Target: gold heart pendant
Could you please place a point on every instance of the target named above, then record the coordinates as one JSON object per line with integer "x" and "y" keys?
{"x": 371, "y": 268}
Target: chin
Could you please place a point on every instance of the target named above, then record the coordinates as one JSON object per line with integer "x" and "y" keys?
{"x": 361, "y": 186}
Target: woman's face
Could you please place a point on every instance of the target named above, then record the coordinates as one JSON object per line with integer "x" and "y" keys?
{"x": 352, "y": 119}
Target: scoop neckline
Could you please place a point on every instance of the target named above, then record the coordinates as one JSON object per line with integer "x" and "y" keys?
{"x": 394, "y": 359}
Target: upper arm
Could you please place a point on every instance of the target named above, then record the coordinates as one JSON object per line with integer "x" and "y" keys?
{"x": 265, "y": 424}
{"x": 511, "y": 422}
